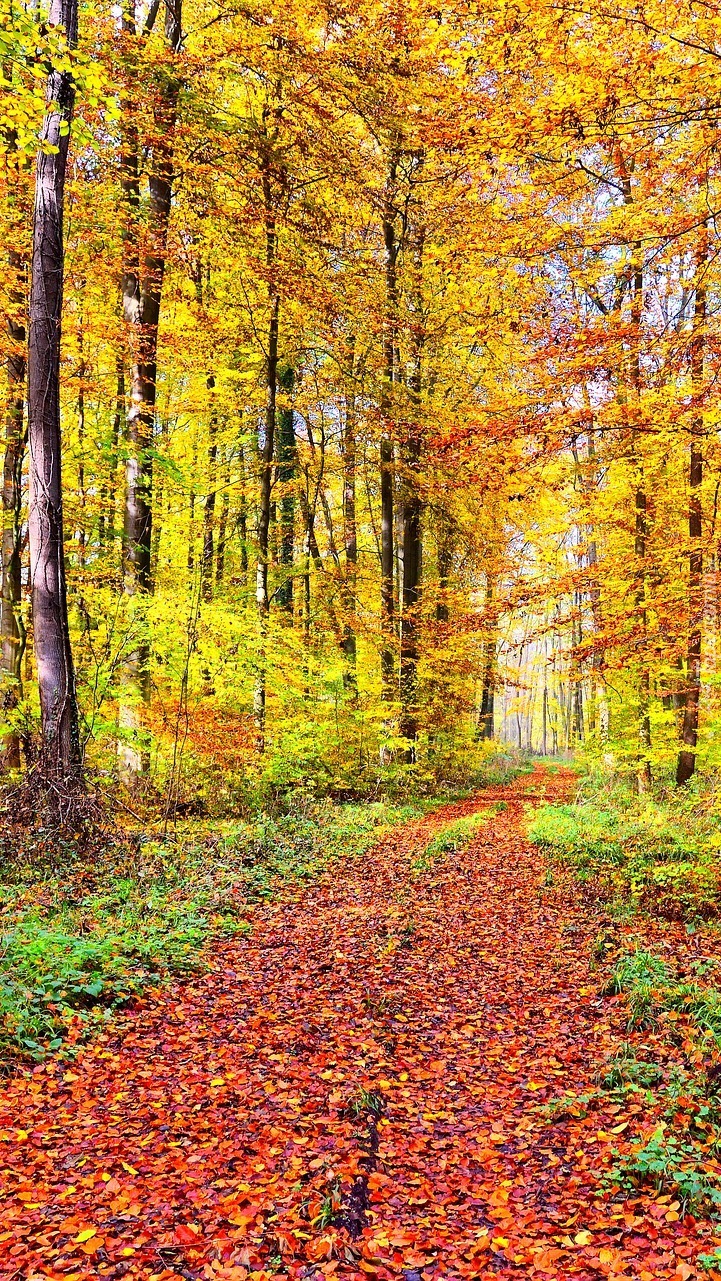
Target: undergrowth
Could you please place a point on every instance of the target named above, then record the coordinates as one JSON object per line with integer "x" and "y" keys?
{"x": 453, "y": 836}
{"x": 81, "y": 935}
{"x": 659, "y": 852}
{"x": 679, "y": 1098}
{"x": 85, "y": 929}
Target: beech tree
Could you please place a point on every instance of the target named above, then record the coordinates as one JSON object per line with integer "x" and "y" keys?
{"x": 51, "y": 633}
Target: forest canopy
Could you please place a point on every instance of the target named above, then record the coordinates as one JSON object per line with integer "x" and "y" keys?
{"x": 359, "y": 386}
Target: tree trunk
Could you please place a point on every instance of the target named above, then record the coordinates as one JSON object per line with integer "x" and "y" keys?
{"x": 486, "y": 713}
{"x": 106, "y": 518}
{"x": 223, "y": 524}
{"x": 350, "y": 532}
{"x": 11, "y": 622}
{"x": 390, "y": 328}
{"x": 61, "y": 757}
{"x": 286, "y": 480}
{"x": 686, "y": 764}
{"x": 643, "y": 765}
{"x": 412, "y": 549}
{"x": 243, "y": 522}
{"x": 142, "y": 296}
{"x": 266, "y": 478}
{"x": 206, "y": 567}
{"x": 445, "y": 564}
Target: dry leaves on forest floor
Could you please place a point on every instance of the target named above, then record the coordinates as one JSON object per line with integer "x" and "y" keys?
{"x": 353, "y": 1090}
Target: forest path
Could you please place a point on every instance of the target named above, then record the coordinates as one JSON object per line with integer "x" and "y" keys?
{"x": 352, "y": 1090}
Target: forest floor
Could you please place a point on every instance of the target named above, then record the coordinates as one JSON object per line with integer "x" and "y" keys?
{"x": 363, "y": 1086}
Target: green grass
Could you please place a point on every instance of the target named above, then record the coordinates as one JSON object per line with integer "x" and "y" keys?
{"x": 652, "y": 988}
{"x": 660, "y": 853}
{"x": 454, "y": 836}
{"x": 81, "y": 936}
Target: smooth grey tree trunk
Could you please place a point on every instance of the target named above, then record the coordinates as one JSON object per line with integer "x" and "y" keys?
{"x": 686, "y": 764}
{"x": 60, "y": 749}
{"x": 142, "y": 297}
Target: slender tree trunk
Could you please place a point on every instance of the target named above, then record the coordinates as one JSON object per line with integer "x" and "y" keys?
{"x": 390, "y": 329}
{"x": 82, "y": 533}
{"x": 643, "y": 769}
{"x": 243, "y": 522}
{"x": 686, "y": 764}
{"x": 223, "y": 525}
{"x": 486, "y": 714}
{"x": 106, "y": 518}
{"x": 287, "y": 481}
{"x": 11, "y": 622}
{"x": 350, "y": 532}
{"x": 445, "y": 564}
{"x": 61, "y": 757}
{"x": 412, "y": 548}
{"x": 206, "y": 568}
{"x": 264, "y": 504}
{"x": 142, "y": 297}
{"x": 308, "y": 517}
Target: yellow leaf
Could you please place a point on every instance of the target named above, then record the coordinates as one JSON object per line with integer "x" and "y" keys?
{"x": 218, "y": 1080}
{"x": 128, "y": 1168}
{"x": 583, "y": 1237}
{"x": 85, "y": 1235}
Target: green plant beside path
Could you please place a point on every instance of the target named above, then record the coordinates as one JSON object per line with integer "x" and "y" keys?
{"x": 81, "y": 936}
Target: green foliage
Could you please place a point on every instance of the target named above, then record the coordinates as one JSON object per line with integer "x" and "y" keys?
{"x": 366, "y": 1101}
{"x": 451, "y": 838}
{"x": 652, "y": 989}
{"x": 625, "y": 1070}
{"x": 78, "y": 940}
{"x": 659, "y": 852}
{"x": 640, "y": 975}
{"x": 670, "y": 1163}
{"x": 51, "y": 978}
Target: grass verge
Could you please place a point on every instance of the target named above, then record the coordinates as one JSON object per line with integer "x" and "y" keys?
{"x": 661, "y": 853}
{"x": 82, "y": 935}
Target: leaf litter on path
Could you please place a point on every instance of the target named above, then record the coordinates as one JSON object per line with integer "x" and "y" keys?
{"x": 355, "y": 1089}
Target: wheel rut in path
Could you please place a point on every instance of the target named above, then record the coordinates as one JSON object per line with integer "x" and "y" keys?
{"x": 351, "y": 1090}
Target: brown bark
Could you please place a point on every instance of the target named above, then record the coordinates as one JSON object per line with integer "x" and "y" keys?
{"x": 264, "y": 497}
{"x": 11, "y": 623}
{"x": 61, "y": 756}
{"x": 412, "y": 547}
{"x": 390, "y": 331}
{"x": 206, "y": 568}
{"x": 142, "y": 288}
{"x": 686, "y": 763}
{"x": 350, "y": 531}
